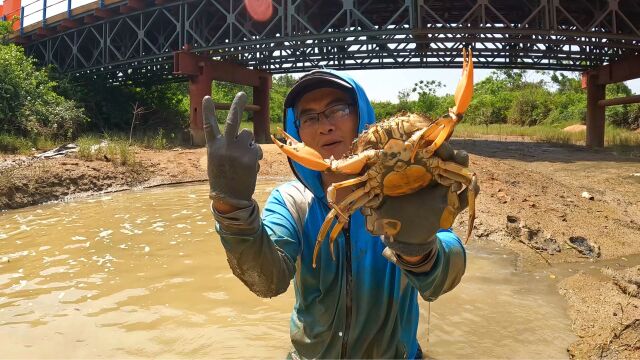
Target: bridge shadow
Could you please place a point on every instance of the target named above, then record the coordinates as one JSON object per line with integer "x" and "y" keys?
{"x": 545, "y": 152}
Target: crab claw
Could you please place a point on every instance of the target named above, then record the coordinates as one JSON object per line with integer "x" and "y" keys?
{"x": 464, "y": 90}
{"x": 301, "y": 153}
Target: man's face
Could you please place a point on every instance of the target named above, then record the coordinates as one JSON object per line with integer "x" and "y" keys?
{"x": 329, "y": 138}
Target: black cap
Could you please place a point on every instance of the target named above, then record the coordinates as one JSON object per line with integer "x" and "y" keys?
{"x": 316, "y": 79}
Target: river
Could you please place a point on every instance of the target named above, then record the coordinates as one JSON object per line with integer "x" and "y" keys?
{"x": 142, "y": 274}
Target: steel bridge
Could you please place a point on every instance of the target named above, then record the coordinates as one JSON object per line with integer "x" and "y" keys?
{"x": 137, "y": 41}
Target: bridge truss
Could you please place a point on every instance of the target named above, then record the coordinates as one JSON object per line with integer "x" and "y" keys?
{"x": 137, "y": 45}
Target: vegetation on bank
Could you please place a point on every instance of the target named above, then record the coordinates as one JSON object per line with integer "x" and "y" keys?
{"x": 40, "y": 108}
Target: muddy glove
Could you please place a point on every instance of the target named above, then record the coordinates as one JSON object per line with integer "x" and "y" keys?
{"x": 418, "y": 215}
{"x": 232, "y": 159}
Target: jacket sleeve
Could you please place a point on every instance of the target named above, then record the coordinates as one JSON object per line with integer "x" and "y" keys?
{"x": 447, "y": 269}
{"x": 261, "y": 253}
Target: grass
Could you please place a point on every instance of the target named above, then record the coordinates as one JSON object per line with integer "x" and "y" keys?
{"x": 614, "y": 137}
{"x": 12, "y": 144}
{"x": 273, "y": 127}
{"x": 114, "y": 148}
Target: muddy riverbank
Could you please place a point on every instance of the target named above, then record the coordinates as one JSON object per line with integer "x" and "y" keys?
{"x": 554, "y": 205}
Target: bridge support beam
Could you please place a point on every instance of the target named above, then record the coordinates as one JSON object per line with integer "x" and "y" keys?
{"x": 595, "y": 112}
{"x": 202, "y": 71}
{"x": 595, "y": 81}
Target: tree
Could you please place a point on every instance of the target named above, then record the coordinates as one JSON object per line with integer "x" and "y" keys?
{"x": 279, "y": 89}
{"x": 6, "y": 29}
{"x": 29, "y": 106}
{"x": 566, "y": 83}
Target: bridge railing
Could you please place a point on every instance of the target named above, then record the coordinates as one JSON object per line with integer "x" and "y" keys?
{"x": 38, "y": 11}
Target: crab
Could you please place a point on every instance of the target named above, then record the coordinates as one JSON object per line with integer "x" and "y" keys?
{"x": 394, "y": 157}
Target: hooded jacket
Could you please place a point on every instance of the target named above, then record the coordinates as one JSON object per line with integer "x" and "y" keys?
{"x": 359, "y": 306}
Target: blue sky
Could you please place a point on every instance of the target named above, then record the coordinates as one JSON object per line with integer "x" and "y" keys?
{"x": 384, "y": 85}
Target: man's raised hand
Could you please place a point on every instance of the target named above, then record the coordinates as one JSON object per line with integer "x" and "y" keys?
{"x": 232, "y": 158}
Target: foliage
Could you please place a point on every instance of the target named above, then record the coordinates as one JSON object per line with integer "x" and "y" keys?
{"x": 115, "y": 149}
{"x": 279, "y": 90}
{"x": 626, "y": 116}
{"x": 29, "y": 105}
{"x": 225, "y": 92}
{"x": 530, "y": 106}
{"x": 12, "y": 144}
{"x": 111, "y": 108}
{"x": 6, "y": 29}
{"x": 614, "y": 136}
{"x": 384, "y": 109}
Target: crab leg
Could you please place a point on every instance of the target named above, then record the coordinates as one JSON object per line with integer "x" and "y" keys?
{"x": 354, "y": 163}
{"x": 461, "y": 174}
{"x": 338, "y": 227}
{"x": 301, "y": 153}
{"x": 331, "y": 191}
{"x": 451, "y": 211}
{"x": 464, "y": 90}
{"x": 347, "y": 206}
{"x": 438, "y": 132}
{"x": 329, "y": 219}
{"x": 310, "y": 158}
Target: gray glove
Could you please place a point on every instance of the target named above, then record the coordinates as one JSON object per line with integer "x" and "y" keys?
{"x": 418, "y": 213}
{"x": 232, "y": 159}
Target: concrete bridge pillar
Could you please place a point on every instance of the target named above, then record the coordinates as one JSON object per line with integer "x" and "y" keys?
{"x": 202, "y": 71}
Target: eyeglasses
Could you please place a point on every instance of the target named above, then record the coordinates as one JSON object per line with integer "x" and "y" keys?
{"x": 332, "y": 114}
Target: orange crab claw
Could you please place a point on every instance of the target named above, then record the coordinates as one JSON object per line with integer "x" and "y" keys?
{"x": 301, "y": 153}
{"x": 464, "y": 90}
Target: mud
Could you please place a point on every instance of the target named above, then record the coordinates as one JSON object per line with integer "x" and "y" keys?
{"x": 530, "y": 202}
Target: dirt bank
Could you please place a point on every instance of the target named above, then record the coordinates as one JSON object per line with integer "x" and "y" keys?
{"x": 25, "y": 181}
{"x": 554, "y": 205}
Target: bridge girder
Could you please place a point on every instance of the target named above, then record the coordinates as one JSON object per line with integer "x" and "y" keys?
{"x": 349, "y": 34}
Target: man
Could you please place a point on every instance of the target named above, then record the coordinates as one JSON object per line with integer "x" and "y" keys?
{"x": 363, "y": 304}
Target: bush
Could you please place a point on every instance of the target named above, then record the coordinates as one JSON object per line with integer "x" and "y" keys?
{"x": 567, "y": 108}
{"x": 12, "y": 144}
{"x": 489, "y": 108}
{"x": 114, "y": 149}
{"x": 29, "y": 107}
{"x": 384, "y": 109}
{"x": 530, "y": 106}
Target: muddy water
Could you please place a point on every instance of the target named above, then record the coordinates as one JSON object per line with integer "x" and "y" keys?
{"x": 141, "y": 274}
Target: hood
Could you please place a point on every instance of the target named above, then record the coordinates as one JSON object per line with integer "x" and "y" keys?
{"x": 310, "y": 178}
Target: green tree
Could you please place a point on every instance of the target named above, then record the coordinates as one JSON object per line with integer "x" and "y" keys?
{"x": 29, "y": 106}
{"x": 428, "y": 103}
{"x": 279, "y": 89}
{"x": 566, "y": 83}
{"x": 384, "y": 109}
{"x": 530, "y": 106}
{"x": 621, "y": 115}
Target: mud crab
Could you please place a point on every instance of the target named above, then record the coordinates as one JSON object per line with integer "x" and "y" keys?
{"x": 393, "y": 158}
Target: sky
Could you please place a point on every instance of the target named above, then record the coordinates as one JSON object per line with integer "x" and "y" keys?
{"x": 384, "y": 85}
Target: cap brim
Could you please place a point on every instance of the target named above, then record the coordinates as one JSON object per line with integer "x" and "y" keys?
{"x": 312, "y": 82}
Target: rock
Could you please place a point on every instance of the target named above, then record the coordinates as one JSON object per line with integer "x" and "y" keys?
{"x": 586, "y": 195}
{"x": 534, "y": 238}
{"x": 59, "y": 151}
{"x": 584, "y": 246}
{"x": 513, "y": 226}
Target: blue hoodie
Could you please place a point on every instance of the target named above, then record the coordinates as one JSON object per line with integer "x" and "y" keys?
{"x": 359, "y": 306}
